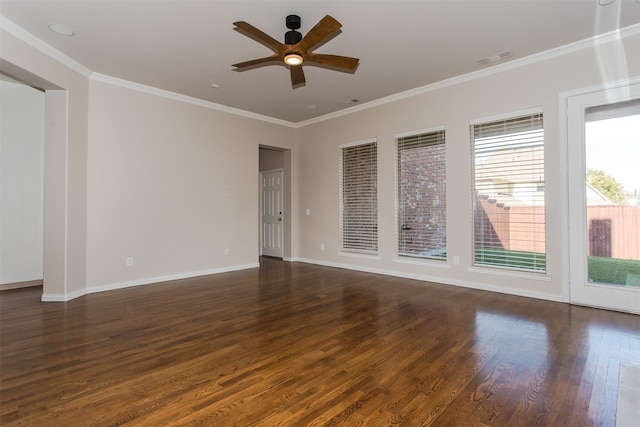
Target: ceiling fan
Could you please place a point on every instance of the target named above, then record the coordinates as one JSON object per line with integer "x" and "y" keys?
{"x": 296, "y": 49}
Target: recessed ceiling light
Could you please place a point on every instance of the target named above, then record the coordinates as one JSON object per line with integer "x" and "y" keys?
{"x": 215, "y": 85}
{"x": 606, "y": 2}
{"x": 63, "y": 30}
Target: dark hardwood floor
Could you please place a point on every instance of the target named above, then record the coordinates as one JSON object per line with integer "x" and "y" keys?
{"x": 298, "y": 345}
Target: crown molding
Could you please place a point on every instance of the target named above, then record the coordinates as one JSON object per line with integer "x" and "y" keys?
{"x": 186, "y": 99}
{"x": 28, "y": 38}
{"x": 591, "y": 42}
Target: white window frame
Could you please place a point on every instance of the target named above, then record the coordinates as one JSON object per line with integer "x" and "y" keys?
{"x": 351, "y": 250}
{"x": 399, "y": 219}
{"x": 488, "y": 120}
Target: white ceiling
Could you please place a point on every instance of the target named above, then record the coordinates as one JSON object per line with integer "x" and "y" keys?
{"x": 186, "y": 46}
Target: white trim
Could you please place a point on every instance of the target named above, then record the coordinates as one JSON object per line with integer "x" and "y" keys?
{"x": 419, "y": 132}
{"x": 600, "y": 87}
{"x": 440, "y": 280}
{"x": 184, "y": 98}
{"x": 63, "y": 297}
{"x": 606, "y": 307}
{"x": 572, "y": 108}
{"x": 28, "y": 38}
{"x": 153, "y": 280}
{"x": 356, "y": 143}
{"x": 591, "y": 42}
{"x": 506, "y": 116}
{"x": 67, "y": 228}
{"x": 20, "y": 285}
{"x": 140, "y": 282}
{"x": 563, "y": 100}
{"x": 594, "y": 41}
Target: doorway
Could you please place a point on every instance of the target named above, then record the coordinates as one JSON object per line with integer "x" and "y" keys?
{"x": 604, "y": 197}
{"x": 275, "y": 200}
{"x": 56, "y": 265}
{"x": 22, "y": 184}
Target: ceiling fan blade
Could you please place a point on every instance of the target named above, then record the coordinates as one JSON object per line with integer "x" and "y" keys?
{"x": 260, "y": 36}
{"x": 337, "y": 61}
{"x": 318, "y": 34}
{"x": 241, "y": 66}
{"x": 297, "y": 76}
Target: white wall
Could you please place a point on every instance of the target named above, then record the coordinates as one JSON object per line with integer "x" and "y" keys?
{"x": 172, "y": 185}
{"x": 21, "y": 182}
{"x": 66, "y": 118}
{"x": 530, "y": 84}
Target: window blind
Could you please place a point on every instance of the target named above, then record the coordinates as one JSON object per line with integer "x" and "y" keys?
{"x": 508, "y": 189}
{"x": 359, "y": 198}
{"x": 422, "y": 201}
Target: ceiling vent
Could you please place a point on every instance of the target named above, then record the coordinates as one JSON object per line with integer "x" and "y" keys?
{"x": 494, "y": 58}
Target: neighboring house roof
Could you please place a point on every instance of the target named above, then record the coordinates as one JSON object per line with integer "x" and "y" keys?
{"x": 596, "y": 198}
{"x": 593, "y": 196}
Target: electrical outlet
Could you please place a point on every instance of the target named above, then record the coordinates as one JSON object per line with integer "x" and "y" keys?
{"x": 322, "y": 246}
{"x": 456, "y": 260}
{"x": 129, "y": 261}
{"x": 226, "y": 251}
{"x": 308, "y": 211}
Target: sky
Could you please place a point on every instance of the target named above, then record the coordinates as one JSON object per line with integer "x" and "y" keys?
{"x": 613, "y": 146}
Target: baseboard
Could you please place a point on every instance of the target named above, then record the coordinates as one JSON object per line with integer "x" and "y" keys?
{"x": 20, "y": 285}
{"x": 141, "y": 282}
{"x": 439, "y": 280}
{"x": 63, "y": 297}
{"x": 160, "y": 279}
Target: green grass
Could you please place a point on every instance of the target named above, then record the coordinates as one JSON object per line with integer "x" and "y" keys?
{"x": 601, "y": 270}
{"x": 614, "y": 271}
{"x": 513, "y": 259}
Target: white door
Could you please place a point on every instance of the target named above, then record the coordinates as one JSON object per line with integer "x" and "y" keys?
{"x": 604, "y": 198}
{"x": 272, "y": 229}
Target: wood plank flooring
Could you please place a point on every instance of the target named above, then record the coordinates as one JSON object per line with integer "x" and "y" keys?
{"x": 294, "y": 344}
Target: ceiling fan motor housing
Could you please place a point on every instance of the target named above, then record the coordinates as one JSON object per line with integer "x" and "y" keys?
{"x": 293, "y": 23}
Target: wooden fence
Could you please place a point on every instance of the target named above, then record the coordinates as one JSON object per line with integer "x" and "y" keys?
{"x": 613, "y": 230}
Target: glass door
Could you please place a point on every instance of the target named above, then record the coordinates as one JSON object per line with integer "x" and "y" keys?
{"x": 604, "y": 198}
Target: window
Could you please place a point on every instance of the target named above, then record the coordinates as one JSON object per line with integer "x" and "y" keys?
{"x": 422, "y": 201}
{"x": 612, "y": 202}
{"x": 359, "y": 197}
{"x": 508, "y": 189}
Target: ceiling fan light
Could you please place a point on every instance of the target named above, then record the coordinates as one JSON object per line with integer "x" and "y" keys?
{"x": 293, "y": 59}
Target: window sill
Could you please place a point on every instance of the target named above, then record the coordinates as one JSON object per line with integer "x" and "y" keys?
{"x": 359, "y": 255}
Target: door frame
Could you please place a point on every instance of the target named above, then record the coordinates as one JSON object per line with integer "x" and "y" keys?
{"x": 577, "y": 289}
